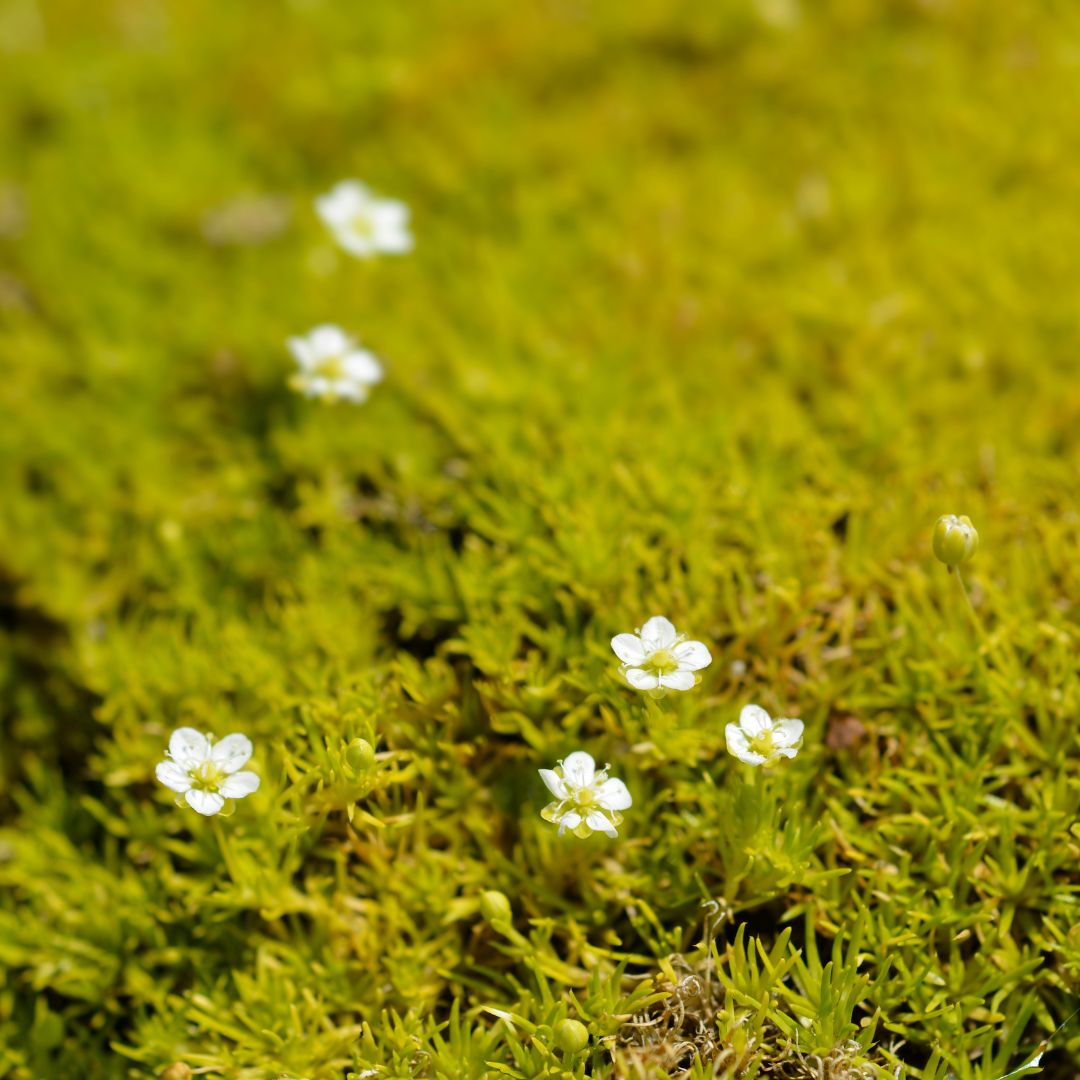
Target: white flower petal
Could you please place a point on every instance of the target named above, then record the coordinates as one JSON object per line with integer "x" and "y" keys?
{"x": 188, "y": 747}
{"x": 787, "y": 732}
{"x": 389, "y": 214}
{"x": 348, "y": 390}
{"x": 173, "y": 776}
{"x": 343, "y": 202}
{"x": 613, "y": 795}
{"x": 641, "y": 679}
{"x": 238, "y": 785}
{"x": 692, "y": 655}
{"x": 362, "y": 366}
{"x": 658, "y": 633}
{"x": 302, "y": 354}
{"x": 352, "y": 192}
{"x": 360, "y": 246}
{"x": 232, "y": 753}
{"x": 598, "y": 823}
{"x": 739, "y": 747}
{"x": 554, "y": 783}
{"x": 579, "y": 769}
{"x": 327, "y": 208}
{"x": 395, "y": 241}
{"x": 787, "y": 751}
{"x": 628, "y": 648}
{"x": 570, "y": 820}
{"x": 678, "y": 680}
{"x": 205, "y": 802}
{"x": 754, "y": 720}
{"x": 329, "y": 340}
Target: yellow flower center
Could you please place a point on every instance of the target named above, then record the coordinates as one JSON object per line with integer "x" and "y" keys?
{"x": 663, "y": 662}
{"x": 363, "y": 226}
{"x": 331, "y": 368}
{"x": 206, "y": 777}
{"x": 585, "y": 799}
{"x": 763, "y": 744}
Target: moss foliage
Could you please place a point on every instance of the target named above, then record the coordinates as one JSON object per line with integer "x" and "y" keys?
{"x": 714, "y": 309}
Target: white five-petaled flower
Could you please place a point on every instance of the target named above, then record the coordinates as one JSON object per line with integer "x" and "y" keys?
{"x": 363, "y": 223}
{"x": 656, "y": 657}
{"x": 205, "y": 773}
{"x": 332, "y": 365}
{"x": 758, "y": 739}
{"x": 586, "y": 801}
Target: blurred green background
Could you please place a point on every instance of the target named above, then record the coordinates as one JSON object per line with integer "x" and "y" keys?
{"x": 714, "y": 309}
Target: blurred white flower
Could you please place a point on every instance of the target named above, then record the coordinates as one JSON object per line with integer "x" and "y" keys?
{"x": 586, "y": 801}
{"x": 206, "y": 773}
{"x": 758, "y": 739}
{"x": 363, "y": 223}
{"x": 657, "y": 657}
{"x": 333, "y": 366}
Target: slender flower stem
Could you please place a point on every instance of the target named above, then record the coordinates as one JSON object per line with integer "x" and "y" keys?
{"x": 1005, "y": 655}
{"x": 223, "y": 847}
{"x": 980, "y": 629}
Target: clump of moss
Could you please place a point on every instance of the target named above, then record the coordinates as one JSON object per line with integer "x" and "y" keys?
{"x": 713, "y": 311}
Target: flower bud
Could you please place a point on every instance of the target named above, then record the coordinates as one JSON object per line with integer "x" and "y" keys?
{"x": 955, "y": 539}
{"x": 494, "y": 905}
{"x": 176, "y": 1071}
{"x": 571, "y": 1036}
{"x": 360, "y": 754}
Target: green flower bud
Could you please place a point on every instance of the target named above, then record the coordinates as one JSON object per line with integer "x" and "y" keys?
{"x": 955, "y": 539}
{"x": 571, "y": 1036}
{"x": 494, "y": 905}
{"x": 360, "y": 754}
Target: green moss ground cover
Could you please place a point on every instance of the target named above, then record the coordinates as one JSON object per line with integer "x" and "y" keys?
{"x": 714, "y": 309}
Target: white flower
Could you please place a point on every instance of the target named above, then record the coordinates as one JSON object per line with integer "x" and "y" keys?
{"x": 333, "y": 366}
{"x": 206, "y": 773}
{"x": 758, "y": 739}
{"x": 586, "y": 801}
{"x": 656, "y": 657}
{"x": 363, "y": 223}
